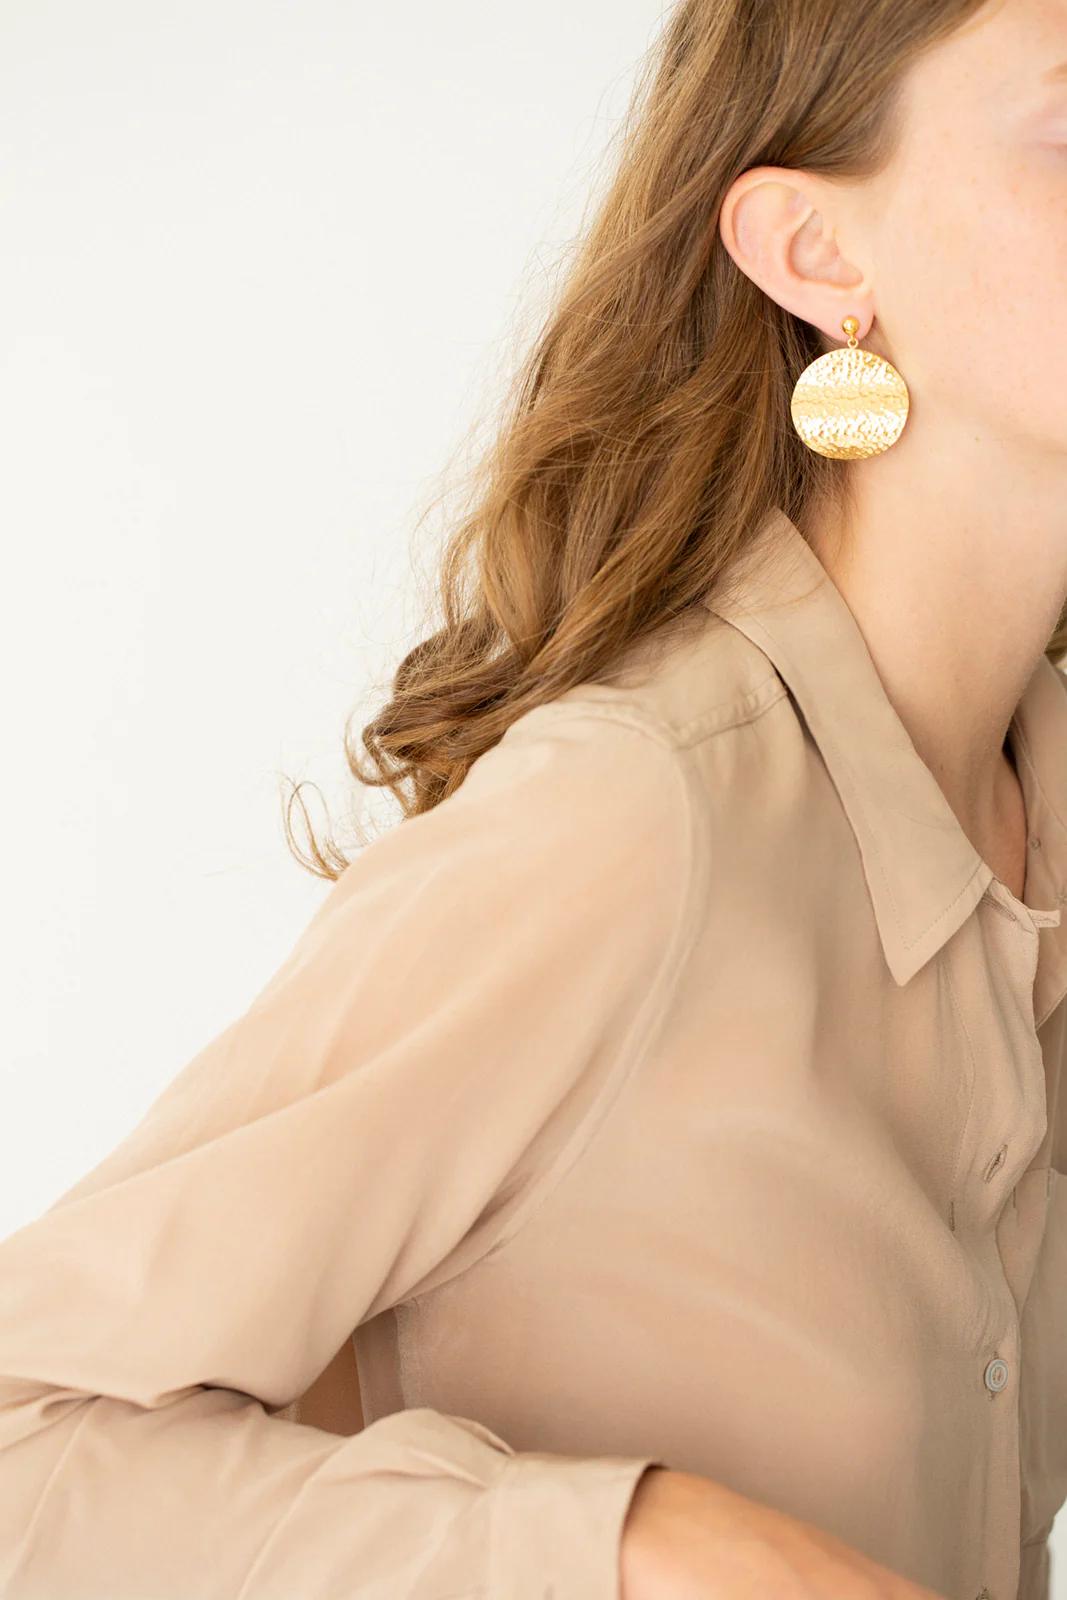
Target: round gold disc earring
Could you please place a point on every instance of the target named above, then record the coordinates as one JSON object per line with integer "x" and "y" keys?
{"x": 849, "y": 402}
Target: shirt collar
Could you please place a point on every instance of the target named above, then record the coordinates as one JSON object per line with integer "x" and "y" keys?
{"x": 923, "y": 874}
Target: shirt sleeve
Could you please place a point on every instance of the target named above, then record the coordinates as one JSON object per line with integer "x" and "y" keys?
{"x": 436, "y": 1049}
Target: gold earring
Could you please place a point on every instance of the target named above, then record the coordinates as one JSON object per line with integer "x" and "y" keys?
{"x": 849, "y": 402}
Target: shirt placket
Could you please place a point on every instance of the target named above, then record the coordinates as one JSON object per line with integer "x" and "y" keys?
{"x": 1006, "y": 1146}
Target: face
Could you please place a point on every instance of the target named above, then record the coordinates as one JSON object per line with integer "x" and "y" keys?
{"x": 957, "y": 252}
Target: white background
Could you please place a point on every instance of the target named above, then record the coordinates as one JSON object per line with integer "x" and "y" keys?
{"x": 264, "y": 266}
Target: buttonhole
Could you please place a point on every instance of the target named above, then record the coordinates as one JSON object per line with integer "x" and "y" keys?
{"x": 994, "y": 1165}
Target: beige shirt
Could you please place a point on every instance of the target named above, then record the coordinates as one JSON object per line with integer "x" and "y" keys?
{"x": 685, "y": 1088}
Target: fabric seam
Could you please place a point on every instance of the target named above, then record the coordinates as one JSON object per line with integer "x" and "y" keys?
{"x": 675, "y": 736}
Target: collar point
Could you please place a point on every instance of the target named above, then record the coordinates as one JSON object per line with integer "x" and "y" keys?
{"x": 903, "y": 962}
{"x": 907, "y": 952}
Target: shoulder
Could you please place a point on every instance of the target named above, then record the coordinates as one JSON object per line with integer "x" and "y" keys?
{"x": 602, "y": 820}
{"x": 614, "y": 792}
{"x": 691, "y": 679}
{"x": 617, "y": 774}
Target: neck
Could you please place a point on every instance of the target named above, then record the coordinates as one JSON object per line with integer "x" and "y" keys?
{"x": 956, "y": 580}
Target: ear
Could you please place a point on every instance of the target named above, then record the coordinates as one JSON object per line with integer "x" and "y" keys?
{"x": 780, "y": 226}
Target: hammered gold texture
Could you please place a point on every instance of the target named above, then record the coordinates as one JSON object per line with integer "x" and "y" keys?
{"x": 849, "y": 403}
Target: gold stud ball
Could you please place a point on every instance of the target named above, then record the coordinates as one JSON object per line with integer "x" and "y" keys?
{"x": 851, "y": 325}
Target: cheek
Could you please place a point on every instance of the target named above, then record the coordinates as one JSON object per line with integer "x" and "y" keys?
{"x": 968, "y": 281}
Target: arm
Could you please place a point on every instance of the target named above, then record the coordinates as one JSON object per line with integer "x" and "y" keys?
{"x": 431, "y": 1056}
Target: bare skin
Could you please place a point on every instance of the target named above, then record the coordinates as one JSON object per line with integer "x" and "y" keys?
{"x": 1007, "y": 853}
{"x": 686, "y": 1538}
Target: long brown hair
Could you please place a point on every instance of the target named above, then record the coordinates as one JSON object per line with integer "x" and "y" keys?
{"x": 647, "y": 432}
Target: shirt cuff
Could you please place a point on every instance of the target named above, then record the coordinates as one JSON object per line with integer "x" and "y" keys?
{"x": 557, "y": 1524}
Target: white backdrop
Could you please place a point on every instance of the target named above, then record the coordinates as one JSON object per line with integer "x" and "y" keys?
{"x": 263, "y": 266}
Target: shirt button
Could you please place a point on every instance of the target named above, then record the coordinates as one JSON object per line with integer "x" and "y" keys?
{"x": 996, "y": 1375}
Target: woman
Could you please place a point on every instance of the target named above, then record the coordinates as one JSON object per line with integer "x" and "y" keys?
{"x": 667, "y": 1113}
